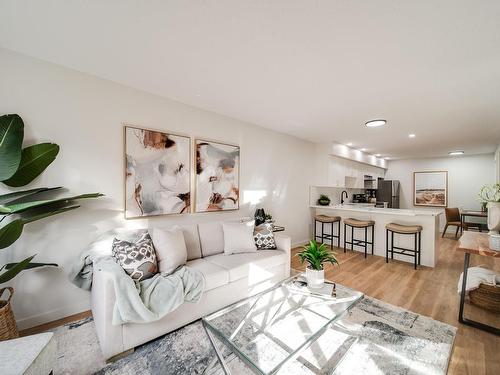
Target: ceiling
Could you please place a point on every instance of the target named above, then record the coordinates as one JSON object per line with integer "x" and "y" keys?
{"x": 315, "y": 69}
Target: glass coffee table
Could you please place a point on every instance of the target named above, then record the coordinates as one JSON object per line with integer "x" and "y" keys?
{"x": 273, "y": 327}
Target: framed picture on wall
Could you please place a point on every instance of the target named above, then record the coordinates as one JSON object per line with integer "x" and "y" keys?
{"x": 217, "y": 176}
{"x": 157, "y": 173}
{"x": 430, "y": 188}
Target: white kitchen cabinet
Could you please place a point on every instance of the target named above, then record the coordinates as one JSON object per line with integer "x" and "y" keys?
{"x": 348, "y": 173}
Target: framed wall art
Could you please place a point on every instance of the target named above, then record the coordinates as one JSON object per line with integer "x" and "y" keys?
{"x": 157, "y": 173}
{"x": 430, "y": 188}
{"x": 217, "y": 176}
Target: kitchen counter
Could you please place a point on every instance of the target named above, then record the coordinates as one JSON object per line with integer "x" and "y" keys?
{"x": 428, "y": 219}
{"x": 367, "y": 207}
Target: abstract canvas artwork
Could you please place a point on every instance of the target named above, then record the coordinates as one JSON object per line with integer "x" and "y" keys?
{"x": 157, "y": 175}
{"x": 430, "y": 188}
{"x": 217, "y": 176}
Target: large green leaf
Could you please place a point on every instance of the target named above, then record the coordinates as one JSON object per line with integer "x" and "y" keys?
{"x": 34, "y": 160}
{"x": 12, "y": 231}
{"x": 21, "y": 207}
{"x": 30, "y": 265}
{"x": 12, "y": 272}
{"x": 11, "y": 140}
{"x": 11, "y": 197}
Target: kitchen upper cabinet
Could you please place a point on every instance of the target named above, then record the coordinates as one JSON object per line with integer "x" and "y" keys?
{"x": 348, "y": 173}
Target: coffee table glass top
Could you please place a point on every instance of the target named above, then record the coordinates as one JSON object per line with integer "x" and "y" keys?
{"x": 268, "y": 329}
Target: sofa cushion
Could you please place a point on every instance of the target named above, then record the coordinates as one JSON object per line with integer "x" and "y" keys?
{"x": 215, "y": 276}
{"x": 138, "y": 258}
{"x": 192, "y": 240}
{"x": 211, "y": 238}
{"x": 239, "y": 265}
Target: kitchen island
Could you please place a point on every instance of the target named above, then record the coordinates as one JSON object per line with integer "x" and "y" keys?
{"x": 428, "y": 219}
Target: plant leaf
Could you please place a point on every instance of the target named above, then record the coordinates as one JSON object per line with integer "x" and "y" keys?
{"x": 34, "y": 160}
{"x": 11, "y": 140}
{"x": 21, "y": 207}
{"x": 12, "y": 272}
{"x": 11, "y": 197}
{"x": 10, "y": 232}
{"x": 30, "y": 265}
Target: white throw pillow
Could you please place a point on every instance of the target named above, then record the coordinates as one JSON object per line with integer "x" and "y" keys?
{"x": 238, "y": 237}
{"x": 171, "y": 251}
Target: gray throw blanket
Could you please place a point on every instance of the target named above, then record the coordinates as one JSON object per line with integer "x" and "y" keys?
{"x": 143, "y": 302}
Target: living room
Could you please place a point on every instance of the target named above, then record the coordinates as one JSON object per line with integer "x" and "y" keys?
{"x": 249, "y": 105}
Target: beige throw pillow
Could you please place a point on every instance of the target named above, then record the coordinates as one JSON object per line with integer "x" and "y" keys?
{"x": 238, "y": 237}
{"x": 171, "y": 251}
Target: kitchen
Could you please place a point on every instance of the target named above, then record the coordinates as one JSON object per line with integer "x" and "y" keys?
{"x": 363, "y": 187}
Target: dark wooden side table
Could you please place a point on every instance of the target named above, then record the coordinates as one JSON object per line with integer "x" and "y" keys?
{"x": 474, "y": 243}
{"x": 471, "y": 213}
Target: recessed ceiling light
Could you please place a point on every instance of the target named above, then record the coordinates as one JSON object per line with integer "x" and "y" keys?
{"x": 377, "y": 155}
{"x": 349, "y": 144}
{"x": 363, "y": 149}
{"x": 375, "y": 123}
{"x": 411, "y": 135}
{"x": 456, "y": 152}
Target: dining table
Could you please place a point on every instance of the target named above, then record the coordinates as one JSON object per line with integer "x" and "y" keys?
{"x": 471, "y": 213}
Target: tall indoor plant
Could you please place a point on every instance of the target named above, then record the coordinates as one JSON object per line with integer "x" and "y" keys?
{"x": 316, "y": 255}
{"x": 490, "y": 194}
{"x": 18, "y": 167}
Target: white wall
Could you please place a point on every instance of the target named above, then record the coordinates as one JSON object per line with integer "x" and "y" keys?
{"x": 497, "y": 160}
{"x": 466, "y": 175}
{"x": 84, "y": 115}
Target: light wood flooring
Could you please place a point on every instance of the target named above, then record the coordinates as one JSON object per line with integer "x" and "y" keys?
{"x": 427, "y": 291}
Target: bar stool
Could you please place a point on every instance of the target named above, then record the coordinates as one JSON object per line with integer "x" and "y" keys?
{"x": 415, "y": 230}
{"x": 355, "y": 223}
{"x": 324, "y": 219}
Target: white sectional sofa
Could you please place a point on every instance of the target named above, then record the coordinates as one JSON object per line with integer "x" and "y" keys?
{"x": 229, "y": 278}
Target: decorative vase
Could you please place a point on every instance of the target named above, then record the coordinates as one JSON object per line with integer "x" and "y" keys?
{"x": 315, "y": 278}
{"x": 494, "y": 217}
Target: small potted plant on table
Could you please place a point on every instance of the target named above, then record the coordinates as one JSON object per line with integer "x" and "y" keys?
{"x": 316, "y": 255}
{"x": 324, "y": 200}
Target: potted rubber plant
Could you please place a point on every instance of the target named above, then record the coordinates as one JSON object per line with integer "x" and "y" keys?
{"x": 490, "y": 194}
{"x": 316, "y": 255}
{"x": 18, "y": 167}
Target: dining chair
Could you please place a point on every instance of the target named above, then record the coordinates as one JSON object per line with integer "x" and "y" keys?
{"x": 452, "y": 218}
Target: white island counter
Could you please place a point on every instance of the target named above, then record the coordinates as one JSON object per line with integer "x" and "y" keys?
{"x": 428, "y": 219}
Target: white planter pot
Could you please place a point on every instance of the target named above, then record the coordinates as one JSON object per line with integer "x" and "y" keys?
{"x": 315, "y": 279}
{"x": 494, "y": 217}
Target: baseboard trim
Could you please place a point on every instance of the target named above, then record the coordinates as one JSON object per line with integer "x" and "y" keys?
{"x": 51, "y": 316}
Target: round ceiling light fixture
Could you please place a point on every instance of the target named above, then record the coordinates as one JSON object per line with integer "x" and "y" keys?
{"x": 456, "y": 152}
{"x": 375, "y": 123}
{"x": 412, "y": 135}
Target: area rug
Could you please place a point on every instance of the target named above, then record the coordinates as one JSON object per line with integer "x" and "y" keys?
{"x": 372, "y": 338}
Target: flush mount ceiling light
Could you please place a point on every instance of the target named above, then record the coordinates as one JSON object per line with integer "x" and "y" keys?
{"x": 456, "y": 152}
{"x": 375, "y": 123}
{"x": 349, "y": 144}
{"x": 411, "y": 135}
{"x": 362, "y": 149}
{"x": 377, "y": 155}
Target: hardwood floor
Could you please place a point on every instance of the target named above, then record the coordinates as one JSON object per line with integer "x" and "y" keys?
{"x": 427, "y": 291}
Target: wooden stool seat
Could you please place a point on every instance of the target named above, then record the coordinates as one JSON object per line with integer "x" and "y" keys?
{"x": 359, "y": 223}
{"x": 404, "y": 229}
{"x": 327, "y": 219}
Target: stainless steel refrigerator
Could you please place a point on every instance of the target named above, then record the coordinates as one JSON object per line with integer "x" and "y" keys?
{"x": 388, "y": 191}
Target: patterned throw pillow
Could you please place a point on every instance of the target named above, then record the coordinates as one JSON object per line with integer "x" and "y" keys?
{"x": 138, "y": 258}
{"x": 264, "y": 237}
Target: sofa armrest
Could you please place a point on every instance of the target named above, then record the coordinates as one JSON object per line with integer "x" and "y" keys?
{"x": 284, "y": 243}
{"x": 102, "y": 303}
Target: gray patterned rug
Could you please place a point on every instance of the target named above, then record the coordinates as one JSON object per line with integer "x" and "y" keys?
{"x": 373, "y": 338}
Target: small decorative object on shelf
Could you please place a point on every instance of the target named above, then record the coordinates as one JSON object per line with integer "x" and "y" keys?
{"x": 323, "y": 200}
{"x": 259, "y": 216}
{"x": 316, "y": 255}
{"x": 269, "y": 218}
{"x": 490, "y": 194}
